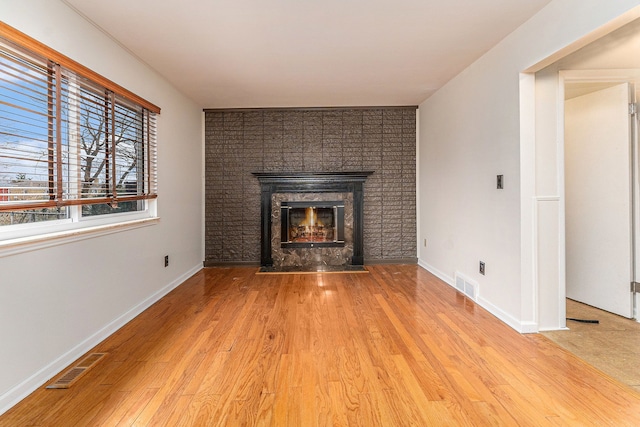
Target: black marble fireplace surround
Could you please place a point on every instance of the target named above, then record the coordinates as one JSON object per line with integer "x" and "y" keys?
{"x": 312, "y": 183}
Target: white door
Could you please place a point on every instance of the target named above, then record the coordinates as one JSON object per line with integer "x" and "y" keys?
{"x": 598, "y": 203}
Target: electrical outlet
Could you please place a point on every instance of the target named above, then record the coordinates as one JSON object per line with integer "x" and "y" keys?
{"x": 500, "y": 182}
{"x": 482, "y": 268}
{"x": 425, "y": 243}
{"x": 166, "y": 260}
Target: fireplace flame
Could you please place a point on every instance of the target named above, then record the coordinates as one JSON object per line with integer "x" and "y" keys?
{"x": 311, "y": 218}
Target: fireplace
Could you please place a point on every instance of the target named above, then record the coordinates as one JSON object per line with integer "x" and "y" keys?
{"x": 311, "y": 220}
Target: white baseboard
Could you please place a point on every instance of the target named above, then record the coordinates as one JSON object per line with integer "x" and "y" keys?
{"x": 521, "y": 327}
{"x": 439, "y": 274}
{"x": 28, "y": 386}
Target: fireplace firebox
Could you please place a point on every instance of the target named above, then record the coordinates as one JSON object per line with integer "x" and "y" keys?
{"x": 311, "y": 224}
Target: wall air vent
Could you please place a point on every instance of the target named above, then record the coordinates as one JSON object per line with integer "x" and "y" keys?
{"x": 466, "y": 286}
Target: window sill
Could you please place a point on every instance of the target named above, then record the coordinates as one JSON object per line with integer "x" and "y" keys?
{"x": 41, "y": 241}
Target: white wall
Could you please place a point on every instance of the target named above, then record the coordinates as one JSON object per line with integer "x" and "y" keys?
{"x": 56, "y": 303}
{"x": 470, "y": 132}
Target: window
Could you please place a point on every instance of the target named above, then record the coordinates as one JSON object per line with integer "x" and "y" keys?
{"x": 73, "y": 145}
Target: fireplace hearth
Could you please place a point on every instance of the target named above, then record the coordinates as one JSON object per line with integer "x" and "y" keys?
{"x": 311, "y": 221}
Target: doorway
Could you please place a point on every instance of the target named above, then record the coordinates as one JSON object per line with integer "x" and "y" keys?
{"x": 612, "y": 51}
{"x": 600, "y": 186}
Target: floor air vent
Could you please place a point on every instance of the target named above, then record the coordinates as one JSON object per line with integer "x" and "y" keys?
{"x": 73, "y": 374}
{"x": 467, "y": 286}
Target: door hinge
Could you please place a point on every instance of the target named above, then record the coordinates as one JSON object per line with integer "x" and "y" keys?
{"x": 633, "y": 109}
{"x": 635, "y": 287}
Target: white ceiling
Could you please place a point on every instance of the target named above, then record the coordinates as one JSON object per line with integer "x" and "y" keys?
{"x": 307, "y": 53}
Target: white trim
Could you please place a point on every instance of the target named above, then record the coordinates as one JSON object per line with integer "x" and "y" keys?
{"x": 41, "y": 241}
{"x": 26, "y": 387}
{"x": 15, "y": 232}
{"x": 528, "y": 246}
{"x": 560, "y": 183}
{"x": 521, "y": 327}
{"x": 440, "y": 275}
{"x": 621, "y": 75}
{"x": 529, "y": 328}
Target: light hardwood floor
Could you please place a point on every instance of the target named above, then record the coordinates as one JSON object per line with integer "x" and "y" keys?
{"x": 394, "y": 347}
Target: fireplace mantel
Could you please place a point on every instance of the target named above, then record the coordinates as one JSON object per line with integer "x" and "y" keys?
{"x": 311, "y": 182}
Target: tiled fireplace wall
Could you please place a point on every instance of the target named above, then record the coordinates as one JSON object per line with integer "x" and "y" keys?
{"x": 239, "y": 142}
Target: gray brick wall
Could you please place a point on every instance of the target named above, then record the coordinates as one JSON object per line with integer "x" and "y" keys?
{"x": 317, "y": 140}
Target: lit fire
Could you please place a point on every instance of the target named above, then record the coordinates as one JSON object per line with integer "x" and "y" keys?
{"x": 311, "y": 220}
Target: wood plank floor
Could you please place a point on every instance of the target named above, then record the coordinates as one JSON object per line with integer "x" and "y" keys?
{"x": 394, "y": 347}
